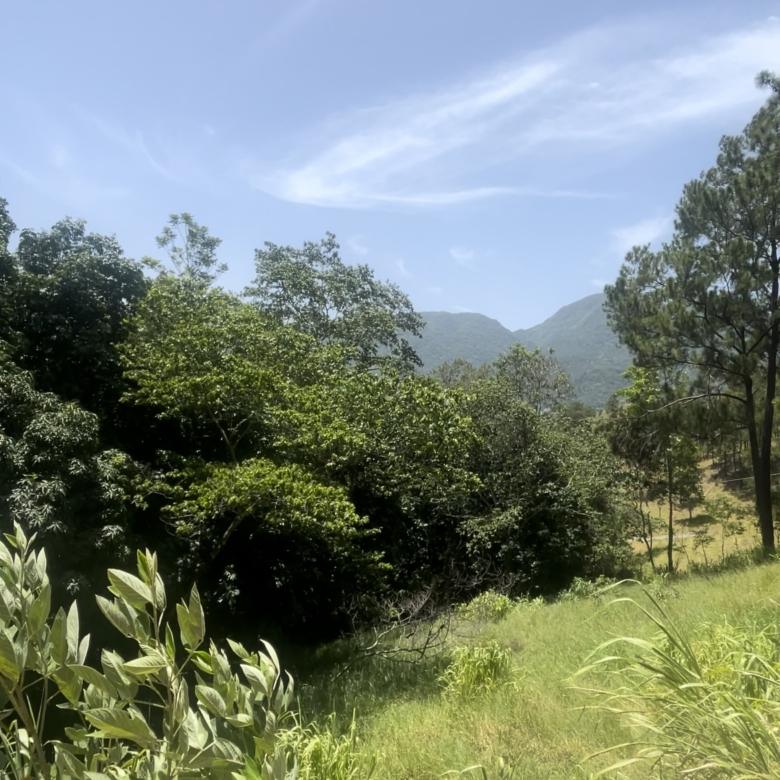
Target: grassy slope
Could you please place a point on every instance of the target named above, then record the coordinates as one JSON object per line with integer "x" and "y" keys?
{"x": 537, "y": 724}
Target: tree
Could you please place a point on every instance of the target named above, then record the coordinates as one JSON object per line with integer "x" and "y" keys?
{"x": 8, "y": 277}
{"x": 648, "y": 432}
{"x": 547, "y": 509}
{"x": 191, "y": 249}
{"x": 534, "y": 377}
{"x": 709, "y": 301}
{"x": 461, "y": 373}
{"x": 57, "y": 480}
{"x": 71, "y": 294}
{"x": 316, "y": 292}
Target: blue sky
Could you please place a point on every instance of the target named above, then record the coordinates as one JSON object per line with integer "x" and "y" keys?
{"x": 487, "y": 156}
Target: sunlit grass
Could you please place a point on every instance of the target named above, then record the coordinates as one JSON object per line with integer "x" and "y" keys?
{"x": 537, "y": 723}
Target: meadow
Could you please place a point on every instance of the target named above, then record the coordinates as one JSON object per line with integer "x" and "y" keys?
{"x": 535, "y": 720}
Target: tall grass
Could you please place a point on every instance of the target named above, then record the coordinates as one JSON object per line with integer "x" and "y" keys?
{"x": 537, "y": 725}
{"x": 704, "y": 705}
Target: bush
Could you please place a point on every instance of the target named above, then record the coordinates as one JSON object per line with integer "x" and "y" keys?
{"x": 488, "y": 607}
{"x": 322, "y": 755}
{"x": 175, "y": 710}
{"x": 581, "y": 588}
{"x": 475, "y": 670}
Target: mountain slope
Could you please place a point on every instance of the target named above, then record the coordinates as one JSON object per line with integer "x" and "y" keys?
{"x": 578, "y": 334}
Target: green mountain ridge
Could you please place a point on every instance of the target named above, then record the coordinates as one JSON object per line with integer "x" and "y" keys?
{"x": 578, "y": 334}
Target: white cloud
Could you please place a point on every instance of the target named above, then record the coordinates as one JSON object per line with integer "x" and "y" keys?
{"x": 600, "y": 87}
{"x": 463, "y": 256}
{"x": 131, "y": 142}
{"x": 646, "y": 231}
{"x": 400, "y": 264}
{"x": 357, "y": 246}
{"x": 436, "y": 290}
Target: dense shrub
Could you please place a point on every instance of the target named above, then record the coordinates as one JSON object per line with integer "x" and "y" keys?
{"x": 489, "y": 606}
{"x": 476, "y": 669}
{"x": 175, "y": 709}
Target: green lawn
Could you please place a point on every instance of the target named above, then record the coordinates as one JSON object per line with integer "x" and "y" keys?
{"x": 536, "y": 722}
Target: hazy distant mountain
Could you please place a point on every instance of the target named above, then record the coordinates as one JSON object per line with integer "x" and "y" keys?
{"x": 578, "y": 334}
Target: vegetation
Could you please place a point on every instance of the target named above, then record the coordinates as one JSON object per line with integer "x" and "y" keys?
{"x": 578, "y": 336}
{"x": 448, "y": 541}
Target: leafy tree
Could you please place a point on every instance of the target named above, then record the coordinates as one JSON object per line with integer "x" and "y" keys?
{"x": 709, "y": 301}
{"x": 648, "y": 433}
{"x": 191, "y": 249}
{"x": 206, "y": 358}
{"x": 58, "y": 481}
{"x": 8, "y": 277}
{"x": 534, "y": 377}
{"x": 252, "y": 515}
{"x": 460, "y": 373}
{"x": 315, "y": 291}
{"x": 68, "y": 305}
{"x": 401, "y": 446}
{"x": 546, "y": 510}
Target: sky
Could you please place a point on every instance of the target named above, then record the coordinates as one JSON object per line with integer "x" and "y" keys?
{"x": 495, "y": 156}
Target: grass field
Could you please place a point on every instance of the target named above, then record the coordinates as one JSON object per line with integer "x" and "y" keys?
{"x": 688, "y": 548}
{"x": 534, "y": 719}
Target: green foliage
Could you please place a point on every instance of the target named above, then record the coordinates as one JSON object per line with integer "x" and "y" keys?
{"x": 487, "y": 607}
{"x": 548, "y": 508}
{"x": 534, "y": 378}
{"x": 174, "y": 710}
{"x": 708, "y": 302}
{"x": 191, "y": 249}
{"x": 476, "y": 669}
{"x": 587, "y": 589}
{"x": 323, "y": 755}
{"x": 706, "y": 706}
{"x": 314, "y": 290}
{"x": 70, "y": 296}
{"x": 277, "y": 530}
{"x": 57, "y": 480}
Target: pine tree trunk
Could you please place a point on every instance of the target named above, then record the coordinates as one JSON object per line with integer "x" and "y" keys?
{"x": 670, "y": 489}
{"x": 760, "y": 459}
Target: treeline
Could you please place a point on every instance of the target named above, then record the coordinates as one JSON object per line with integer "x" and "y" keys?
{"x": 278, "y": 446}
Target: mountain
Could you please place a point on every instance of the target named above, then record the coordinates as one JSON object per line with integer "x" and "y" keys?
{"x": 578, "y": 334}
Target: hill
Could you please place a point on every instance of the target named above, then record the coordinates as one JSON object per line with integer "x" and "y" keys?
{"x": 578, "y": 334}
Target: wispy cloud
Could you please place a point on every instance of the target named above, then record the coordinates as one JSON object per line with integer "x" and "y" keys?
{"x": 132, "y": 142}
{"x": 357, "y": 246}
{"x": 593, "y": 88}
{"x": 403, "y": 269}
{"x": 646, "y": 231}
{"x": 463, "y": 256}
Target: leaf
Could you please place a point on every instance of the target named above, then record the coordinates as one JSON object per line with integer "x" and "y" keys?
{"x": 121, "y": 724}
{"x": 211, "y": 700}
{"x": 114, "y": 614}
{"x": 94, "y": 677}
{"x": 72, "y": 631}
{"x": 129, "y": 588}
{"x": 39, "y": 610}
{"x": 146, "y": 665}
{"x": 192, "y": 623}
{"x": 9, "y": 667}
{"x": 57, "y": 640}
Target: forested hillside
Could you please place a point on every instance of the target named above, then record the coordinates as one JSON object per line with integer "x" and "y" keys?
{"x": 581, "y": 340}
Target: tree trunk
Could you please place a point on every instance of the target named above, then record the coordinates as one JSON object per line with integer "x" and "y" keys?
{"x": 670, "y": 493}
{"x": 760, "y": 458}
{"x": 766, "y": 519}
